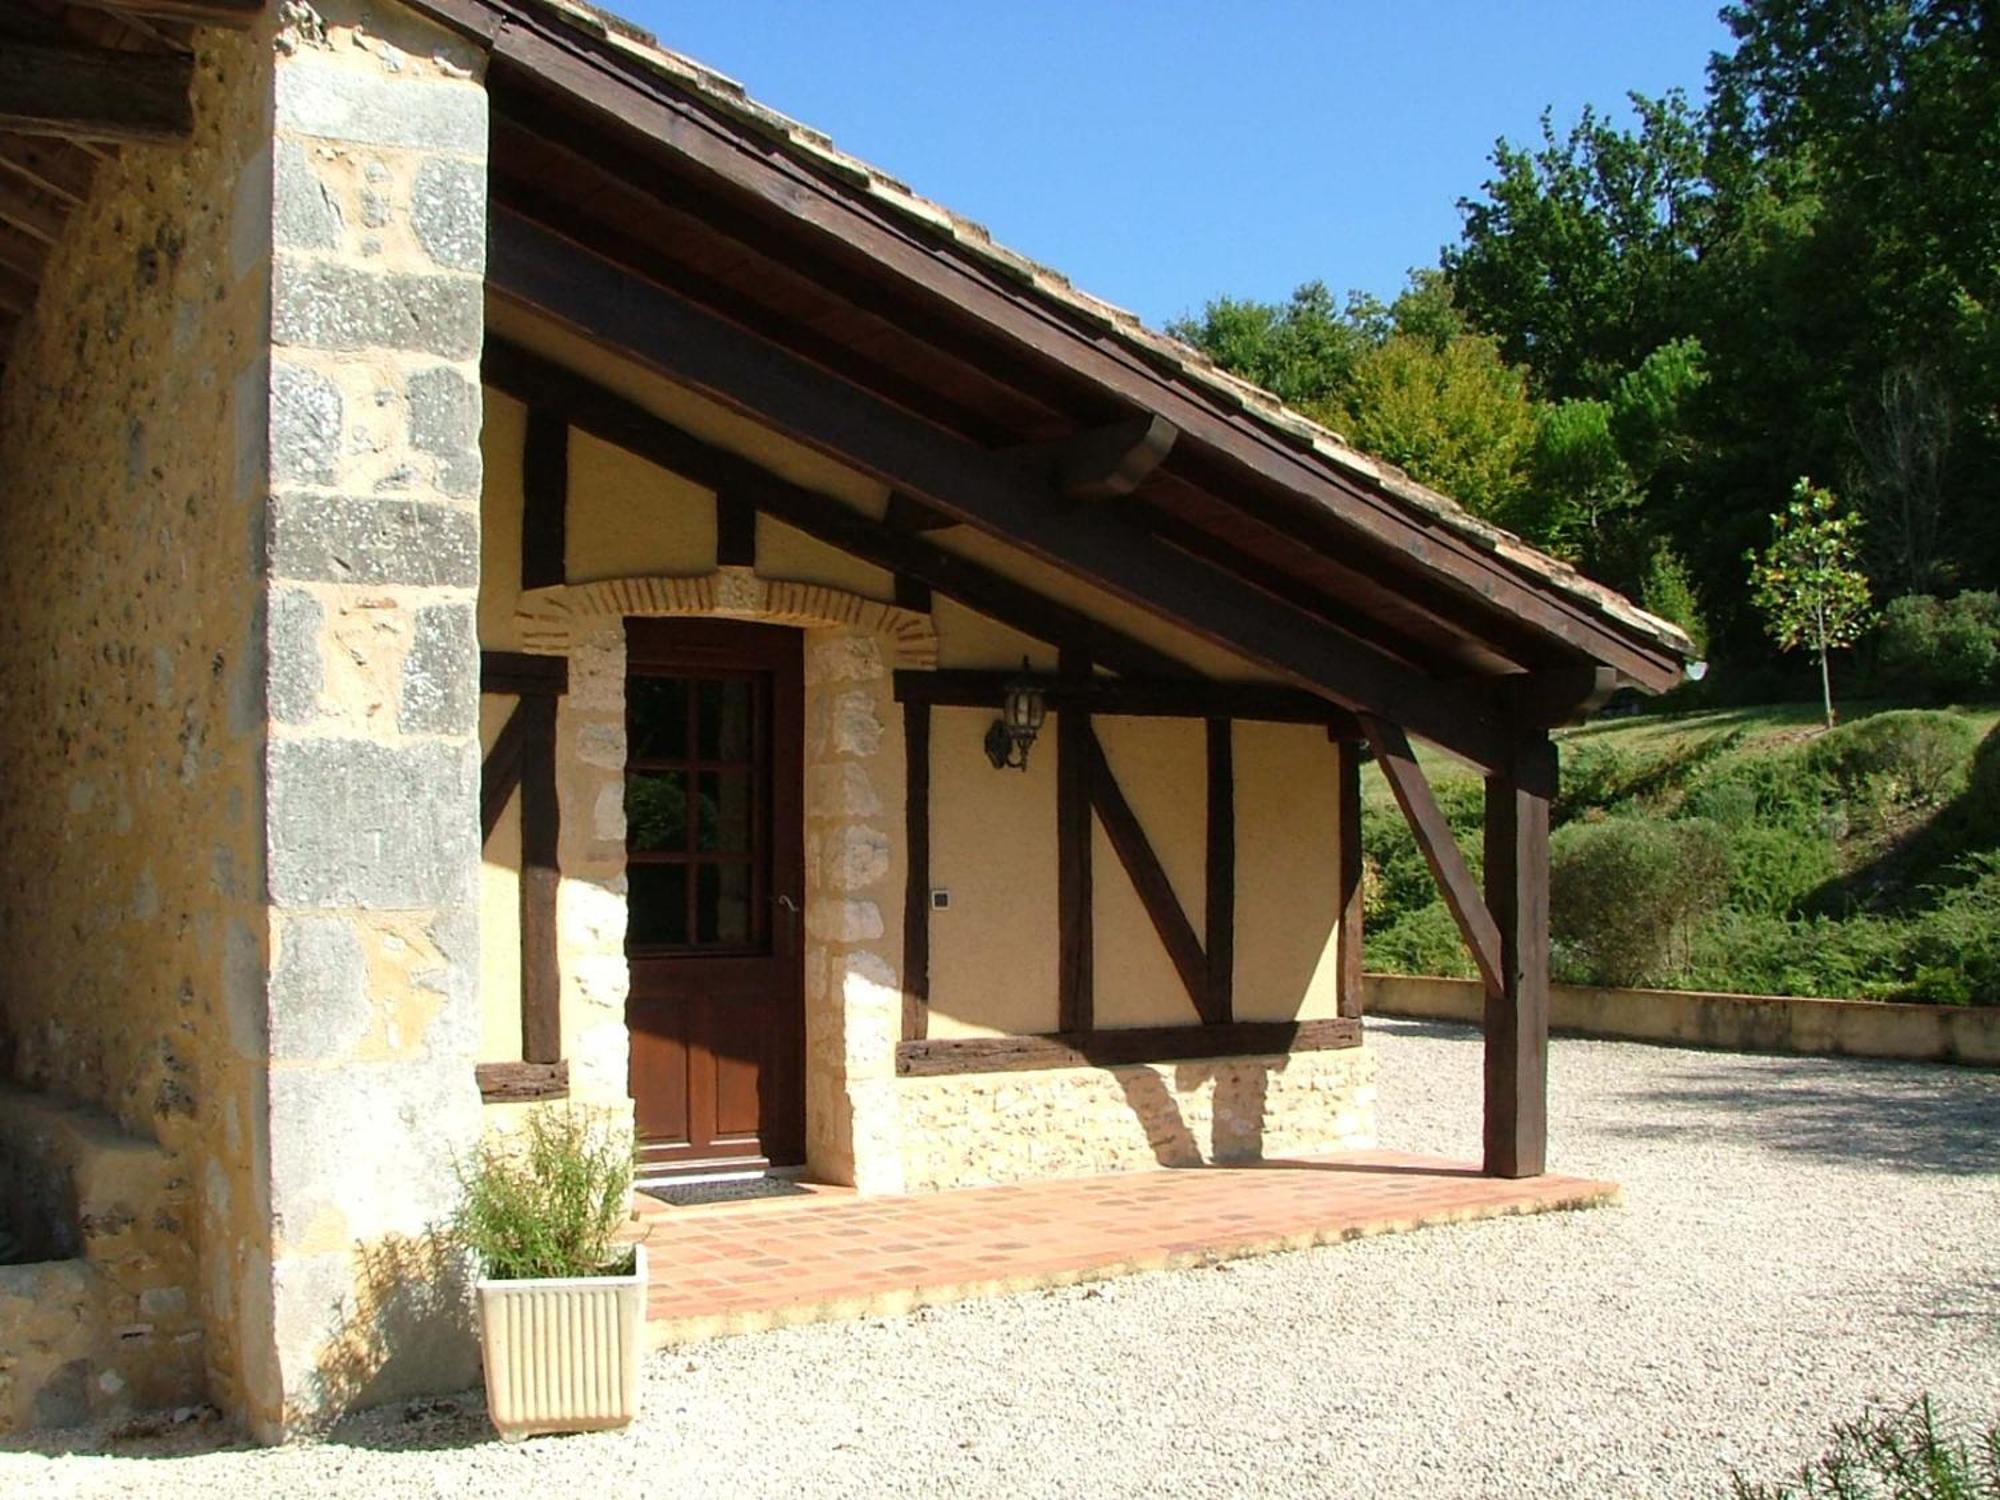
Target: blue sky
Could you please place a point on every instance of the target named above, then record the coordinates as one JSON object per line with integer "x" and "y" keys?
{"x": 1161, "y": 152}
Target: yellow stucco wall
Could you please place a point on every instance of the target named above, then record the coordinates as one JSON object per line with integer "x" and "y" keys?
{"x": 132, "y": 945}
{"x": 993, "y": 952}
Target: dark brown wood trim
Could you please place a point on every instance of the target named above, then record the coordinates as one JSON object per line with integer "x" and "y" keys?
{"x": 1219, "y": 938}
{"x": 541, "y": 836}
{"x": 204, "y": 12}
{"x": 533, "y": 265}
{"x": 1149, "y": 879}
{"x": 735, "y": 531}
{"x": 1134, "y": 697}
{"x": 1440, "y": 850}
{"x": 914, "y": 594}
{"x": 1348, "y": 952}
{"x": 1124, "y": 1047}
{"x": 612, "y": 419}
{"x": 917, "y": 864}
{"x": 1076, "y": 1002}
{"x": 522, "y": 1082}
{"x": 1517, "y": 1015}
{"x": 523, "y": 673}
{"x": 95, "y": 94}
{"x": 544, "y": 499}
{"x": 1102, "y": 463}
{"x": 500, "y": 771}
{"x": 906, "y": 514}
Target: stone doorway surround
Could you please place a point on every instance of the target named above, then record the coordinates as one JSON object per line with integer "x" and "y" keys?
{"x": 853, "y": 891}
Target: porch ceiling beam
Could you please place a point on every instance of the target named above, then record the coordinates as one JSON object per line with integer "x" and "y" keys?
{"x": 906, "y": 514}
{"x": 1100, "y": 463}
{"x": 1440, "y": 850}
{"x": 624, "y": 424}
{"x": 1134, "y": 697}
{"x": 533, "y": 265}
{"x": 207, "y": 12}
{"x": 91, "y": 93}
{"x": 1553, "y": 697}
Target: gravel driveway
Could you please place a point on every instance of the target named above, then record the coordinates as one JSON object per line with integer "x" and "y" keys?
{"x": 1800, "y": 1236}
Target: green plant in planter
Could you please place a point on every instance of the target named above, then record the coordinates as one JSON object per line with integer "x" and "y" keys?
{"x": 546, "y": 1202}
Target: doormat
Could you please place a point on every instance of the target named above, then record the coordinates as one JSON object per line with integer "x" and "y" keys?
{"x": 688, "y": 1194}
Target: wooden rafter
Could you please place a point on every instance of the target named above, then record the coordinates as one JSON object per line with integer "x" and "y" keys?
{"x": 92, "y": 93}
{"x": 535, "y": 266}
{"x": 236, "y": 13}
{"x": 1100, "y": 463}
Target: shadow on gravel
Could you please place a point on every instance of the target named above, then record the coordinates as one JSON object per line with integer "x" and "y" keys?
{"x": 428, "y": 1425}
{"x": 1907, "y": 1117}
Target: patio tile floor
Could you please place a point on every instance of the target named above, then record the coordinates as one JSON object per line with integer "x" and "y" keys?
{"x": 765, "y": 1263}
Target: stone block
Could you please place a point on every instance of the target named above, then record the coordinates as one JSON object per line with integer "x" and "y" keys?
{"x": 305, "y": 214}
{"x": 855, "y": 858}
{"x": 448, "y": 213}
{"x": 856, "y": 727}
{"x": 444, "y": 422}
{"x": 296, "y": 669}
{"x": 324, "y": 304}
{"x": 844, "y": 921}
{"x": 358, "y": 823}
{"x": 319, "y": 989}
{"x": 352, "y": 539}
{"x": 842, "y": 790}
{"x": 441, "y": 673}
{"x": 326, "y": 96}
{"x": 305, "y": 425}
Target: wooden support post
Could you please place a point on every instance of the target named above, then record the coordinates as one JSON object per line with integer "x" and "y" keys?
{"x": 1075, "y": 1006}
{"x": 1517, "y": 1015}
{"x": 735, "y": 532}
{"x": 1347, "y": 955}
{"x": 544, "y": 499}
{"x": 1219, "y": 937}
{"x": 541, "y": 826}
{"x": 917, "y": 862}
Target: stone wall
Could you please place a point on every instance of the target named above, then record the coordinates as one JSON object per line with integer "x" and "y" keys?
{"x": 983, "y": 1128}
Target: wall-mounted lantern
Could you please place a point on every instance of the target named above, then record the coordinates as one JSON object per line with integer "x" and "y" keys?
{"x": 1021, "y": 714}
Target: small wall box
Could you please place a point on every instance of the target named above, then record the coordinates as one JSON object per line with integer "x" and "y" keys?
{"x": 940, "y": 900}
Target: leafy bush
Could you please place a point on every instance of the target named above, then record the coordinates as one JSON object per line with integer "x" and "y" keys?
{"x": 1772, "y": 869}
{"x": 1857, "y": 958}
{"x": 1914, "y": 757}
{"x": 1625, "y": 894}
{"x": 1941, "y": 649}
{"x": 1762, "y": 789}
{"x": 1425, "y": 940}
{"x": 1953, "y": 952}
{"x": 548, "y": 1202}
{"x": 1893, "y": 1456}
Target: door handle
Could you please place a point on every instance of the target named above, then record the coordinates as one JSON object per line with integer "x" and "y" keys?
{"x": 787, "y": 903}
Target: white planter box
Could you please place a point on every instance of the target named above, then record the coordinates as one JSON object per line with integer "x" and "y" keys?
{"x": 562, "y": 1355}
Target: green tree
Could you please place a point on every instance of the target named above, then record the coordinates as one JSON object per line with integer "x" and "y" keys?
{"x": 1807, "y": 582}
{"x": 1302, "y": 351}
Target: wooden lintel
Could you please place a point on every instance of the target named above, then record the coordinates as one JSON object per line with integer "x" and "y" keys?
{"x": 522, "y": 1082}
{"x": 1101, "y": 463}
{"x": 1123, "y": 1047}
{"x": 523, "y": 673}
{"x": 1149, "y": 879}
{"x": 500, "y": 772}
{"x": 908, "y": 515}
{"x": 536, "y": 267}
{"x": 96, "y": 94}
{"x": 612, "y": 419}
{"x": 1440, "y": 850}
{"x": 1132, "y": 697}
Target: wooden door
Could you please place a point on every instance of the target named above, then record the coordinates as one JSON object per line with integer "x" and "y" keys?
{"x": 714, "y": 790}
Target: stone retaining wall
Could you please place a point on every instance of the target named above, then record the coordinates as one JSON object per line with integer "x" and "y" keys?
{"x": 1735, "y": 1023}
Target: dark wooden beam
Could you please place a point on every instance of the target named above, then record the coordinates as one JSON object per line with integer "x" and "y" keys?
{"x": 735, "y": 531}
{"x": 590, "y": 408}
{"x": 917, "y": 867}
{"x": 522, "y": 1082}
{"x": 544, "y": 499}
{"x": 94, "y": 93}
{"x": 1075, "y": 999}
{"x": 541, "y": 836}
{"x": 1123, "y": 1047}
{"x": 1348, "y": 952}
{"x": 905, "y": 514}
{"x": 31, "y": 211}
{"x": 1551, "y": 698}
{"x": 1149, "y": 879}
{"x": 535, "y": 266}
{"x": 1440, "y": 850}
{"x": 1101, "y": 463}
{"x": 1131, "y": 697}
{"x": 50, "y": 166}
{"x": 685, "y": 138}
{"x": 203, "y": 12}
{"x": 1517, "y": 1013}
{"x": 523, "y": 673}
{"x": 500, "y": 772}
{"x": 913, "y": 594}
{"x": 1219, "y": 935}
